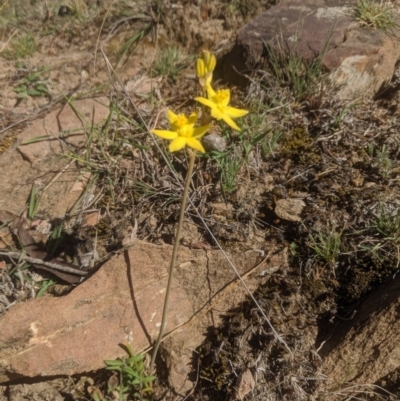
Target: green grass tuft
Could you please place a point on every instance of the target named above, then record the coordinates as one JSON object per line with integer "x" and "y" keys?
{"x": 375, "y": 14}
{"x": 21, "y": 47}
{"x": 170, "y": 62}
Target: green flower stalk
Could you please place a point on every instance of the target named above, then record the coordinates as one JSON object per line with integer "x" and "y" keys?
{"x": 182, "y": 134}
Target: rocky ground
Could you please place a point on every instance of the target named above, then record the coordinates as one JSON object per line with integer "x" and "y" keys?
{"x": 303, "y": 202}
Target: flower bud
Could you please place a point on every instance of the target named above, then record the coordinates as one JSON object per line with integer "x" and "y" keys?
{"x": 200, "y": 68}
{"x": 209, "y": 60}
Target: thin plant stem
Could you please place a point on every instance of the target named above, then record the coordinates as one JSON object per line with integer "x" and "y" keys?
{"x": 192, "y": 157}
{"x": 204, "y": 116}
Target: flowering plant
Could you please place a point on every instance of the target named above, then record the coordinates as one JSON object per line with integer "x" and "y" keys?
{"x": 184, "y": 134}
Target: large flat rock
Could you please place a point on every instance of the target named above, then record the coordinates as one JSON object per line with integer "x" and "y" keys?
{"x": 122, "y": 303}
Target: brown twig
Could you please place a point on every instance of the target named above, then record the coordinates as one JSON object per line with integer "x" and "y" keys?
{"x": 21, "y": 256}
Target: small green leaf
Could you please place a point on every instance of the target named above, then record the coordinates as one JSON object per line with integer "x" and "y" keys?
{"x": 21, "y": 88}
{"x": 113, "y": 362}
{"x": 34, "y": 92}
{"x": 135, "y": 358}
{"x": 148, "y": 379}
{"x": 128, "y": 370}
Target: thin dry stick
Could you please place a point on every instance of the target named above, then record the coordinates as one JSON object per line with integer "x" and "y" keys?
{"x": 98, "y": 37}
{"x": 192, "y": 157}
{"x": 66, "y": 269}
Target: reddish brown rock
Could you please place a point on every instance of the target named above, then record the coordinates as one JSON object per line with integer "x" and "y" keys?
{"x": 40, "y": 164}
{"x": 363, "y": 58}
{"x": 121, "y": 303}
{"x": 63, "y": 127}
{"x": 364, "y": 349}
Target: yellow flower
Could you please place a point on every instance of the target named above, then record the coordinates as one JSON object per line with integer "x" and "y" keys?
{"x": 205, "y": 66}
{"x": 183, "y": 132}
{"x": 218, "y": 103}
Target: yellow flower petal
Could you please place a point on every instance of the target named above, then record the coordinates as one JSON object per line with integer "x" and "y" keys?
{"x": 210, "y": 92}
{"x": 230, "y": 122}
{"x": 200, "y": 131}
{"x": 233, "y": 112}
{"x": 216, "y": 113}
{"x": 224, "y": 97}
{"x": 164, "y": 134}
{"x": 171, "y": 116}
{"x": 177, "y": 144}
{"x": 195, "y": 144}
{"x": 193, "y": 118}
{"x": 206, "y": 102}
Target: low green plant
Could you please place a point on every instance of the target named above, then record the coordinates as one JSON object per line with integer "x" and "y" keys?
{"x": 78, "y": 7}
{"x": 20, "y": 47}
{"x": 44, "y": 286}
{"x": 33, "y": 85}
{"x": 289, "y": 69}
{"x": 292, "y": 71}
{"x": 133, "y": 382}
{"x": 326, "y": 245}
{"x": 386, "y": 221}
{"x": 293, "y": 249}
{"x": 257, "y": 131}
{"x": 270, "y": 142}
{"x": 56, "y": 238}
{"x": 230, "y": 162}
{"x": 239, "y": 6}
{"x": 381, "y": 158}
{"x": 384, "y": 162}
{"x": 384, "y": 232}
{"x": 338, "y": 118}
{"x": 33, "y": 204}
{"x": 170, "y": 62}
{"x": 375, "y": 14}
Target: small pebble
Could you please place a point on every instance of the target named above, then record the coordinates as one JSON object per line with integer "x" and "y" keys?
{"x": 214, "y": 142}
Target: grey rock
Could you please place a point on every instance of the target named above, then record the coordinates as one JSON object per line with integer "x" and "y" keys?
{"x": 214, "y": 142}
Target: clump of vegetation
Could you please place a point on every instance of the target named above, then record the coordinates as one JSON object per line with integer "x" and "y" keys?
{"x": 130, "y": 381}
{"x": 299, "y": 146}
{"x": 170, "y": 62}
{"x": 375, "y": 14}
{"x": 326, "y": 245}
{"x": 20, "y": 47}
{"x": 294, "y": 72}
{"x": 33, "y": 85}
